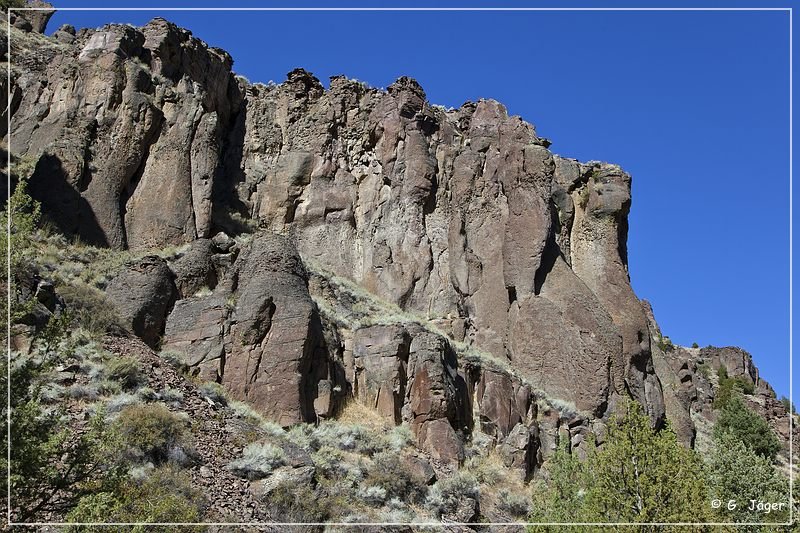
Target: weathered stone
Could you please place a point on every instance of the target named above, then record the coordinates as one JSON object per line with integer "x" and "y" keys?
{"x": 196, "y": 328}
{"x": 195, "y": 269}
{"x": 274, "y": 334}
{"x": 598, "y": 247}
{"x": 503, "y": 402}
{"x": 419, "y": 468}
{"x": 672, "y": 367}
{"x": 519, "y": 450}
{"x": 223, "y": 242}
{"x": 380, "y": 357}
{"x": 40, "y": 17}
{"x": 434, "y": 397}
{"x": 143, "y": 292}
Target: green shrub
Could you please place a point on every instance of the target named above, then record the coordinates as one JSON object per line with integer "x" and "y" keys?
{"x": 164, "y": 496}
{"x": 152, "y": 431}
{"x": 171, "y": 396}
{"x": 788, "y": 405}
{"x": 329, "y": 462}
{"x": 748, "y": 427}
{"x": 214, "y": 392}
{"x": 258, "y": 461}
{"x": 737, "y": 473}
{"x": 79, "y": 391}
{"x": 126, "y": 371}
{"x": 695, "y": 345}
{"x": 665, "y": 343}
{"x": 446, "y": 493}
{"x": 389, "y": 473}
{"x": 291, "y": 503}
{"x": 642, "y": 475}
{"x": 119, "y": 402}
{"x": 90, "y": 308}
{"x": 730, "y": 387}
{"x": 372, "y": 495}
{"x": 514, "y": 503}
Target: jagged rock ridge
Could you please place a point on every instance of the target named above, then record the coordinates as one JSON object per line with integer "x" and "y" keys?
{"x": 144, "y": 138}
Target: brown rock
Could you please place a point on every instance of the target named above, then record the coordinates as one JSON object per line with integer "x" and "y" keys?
{"x": 275, "y": 333}
{"x": 434, "y": 398}
{"x": 195, "y": 269}
{"x": 519, "y": 450}
{"x": 381, "y": 356}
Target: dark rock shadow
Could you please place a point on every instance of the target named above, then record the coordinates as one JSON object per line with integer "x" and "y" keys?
{"x": 62, "y": 204}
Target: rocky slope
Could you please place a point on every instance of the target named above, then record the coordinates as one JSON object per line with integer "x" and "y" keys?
{"x": 442, "y": 267}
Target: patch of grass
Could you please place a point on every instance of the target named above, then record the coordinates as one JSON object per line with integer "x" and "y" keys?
{"x": 214, "y": 392}
{"x": 90, "y": 308}
{"x": 488, "y": 470}
{"x": 446, "y": 493}
{"x": 79, "y": 391}
{"x": 170, "y": 396}
{"x": 389, "y": 473}
{"x": 118, "y": 403}
{"x": 163, "y": 495}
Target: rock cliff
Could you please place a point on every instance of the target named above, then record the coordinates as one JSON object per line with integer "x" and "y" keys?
{"x": 442, "y": 267}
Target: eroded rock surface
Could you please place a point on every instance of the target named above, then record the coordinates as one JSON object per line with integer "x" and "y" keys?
{"x": 493, "y": 287}
{"x": 143, "y": 294}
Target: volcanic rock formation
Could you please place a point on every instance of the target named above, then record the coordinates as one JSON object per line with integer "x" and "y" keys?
{"x": 441, "y": 266}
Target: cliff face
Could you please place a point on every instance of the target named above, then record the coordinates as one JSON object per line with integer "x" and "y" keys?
{"x": 443, "y": 267}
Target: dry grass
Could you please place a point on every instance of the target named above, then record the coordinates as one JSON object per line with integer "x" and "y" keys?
{"x": 356, "y": 413}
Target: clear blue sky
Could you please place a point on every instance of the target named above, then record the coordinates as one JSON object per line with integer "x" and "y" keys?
{"x": 695, "y": 105}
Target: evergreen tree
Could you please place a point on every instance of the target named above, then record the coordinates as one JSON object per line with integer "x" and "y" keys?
{"x": 748, "y": 427}
{"x": 738, "y": 476}
{"x": 560, "y": 499}
{"x": 642, "y": 475}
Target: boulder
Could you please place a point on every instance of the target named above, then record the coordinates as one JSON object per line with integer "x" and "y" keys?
{"x": 275, "y": 333}
{"x": 195, "y": 268}
{"x": 381, "y": 357}
{"x": 435, "y": 398}
{"x": 196, "y": 328}
{"x": 519, "y": 450}
{"x": 143, "y": 292}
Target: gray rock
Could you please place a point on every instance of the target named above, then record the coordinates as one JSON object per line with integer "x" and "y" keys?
{"x": 142, "y": 293}
{"x": 195, "y": 269}
{"x": 519, "y": 450}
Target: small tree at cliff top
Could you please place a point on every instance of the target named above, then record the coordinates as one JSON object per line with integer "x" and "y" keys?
{"x": 642, "y": 475}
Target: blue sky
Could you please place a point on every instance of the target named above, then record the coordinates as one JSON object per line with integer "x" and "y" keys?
{"x": 695, "y": 105}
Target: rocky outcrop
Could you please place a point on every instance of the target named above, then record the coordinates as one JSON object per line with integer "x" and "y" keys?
{"x": 463, "y": 277}
{"x": 380, "y": 356}
{"x": 143, "y": 294}
{"x": 435, "y": 398}
{"x": 115, "y": 112}
{"x": 34, "y": 18}
{"x": 464, "y": 217}
{"x": 196, "y": 269}
{"x": 275, "y": 333}
{"x": 258, "y": 333}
